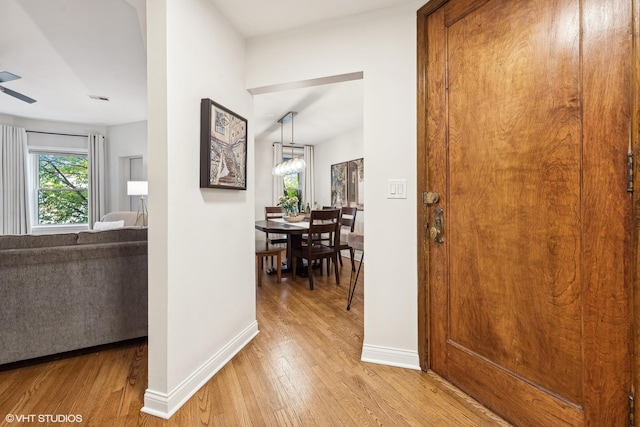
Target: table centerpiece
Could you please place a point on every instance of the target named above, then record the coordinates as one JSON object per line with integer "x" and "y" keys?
{"x": 290, "y": 206}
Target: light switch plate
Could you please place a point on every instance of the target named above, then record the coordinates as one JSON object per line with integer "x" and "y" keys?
{"x": 396, "y": 189}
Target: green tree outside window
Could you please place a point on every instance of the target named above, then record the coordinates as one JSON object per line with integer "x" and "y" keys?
{"x": 292, "y": 187}
{"x": 62, "y": 193}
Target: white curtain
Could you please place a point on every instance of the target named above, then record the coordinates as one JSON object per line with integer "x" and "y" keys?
{"x": 278, "y": 181}
{"x": 308, "y": 182}
{"x": 14, "y": 181}
{"x": 97, "y": 180}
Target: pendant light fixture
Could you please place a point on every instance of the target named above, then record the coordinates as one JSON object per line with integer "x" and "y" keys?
{"x": 292, "y": 165}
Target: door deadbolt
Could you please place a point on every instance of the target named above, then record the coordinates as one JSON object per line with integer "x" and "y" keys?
{"x": 430, "y": 198}
{"x": 437, "y": 230}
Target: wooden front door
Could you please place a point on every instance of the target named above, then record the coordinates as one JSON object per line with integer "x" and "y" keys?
{"x": 524, "y": 129}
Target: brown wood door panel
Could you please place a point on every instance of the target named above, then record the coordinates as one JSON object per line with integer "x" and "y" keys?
{"x": 514, "y": 192}
{"x": 527, "y": 113}
{"x": 515, "y": 399}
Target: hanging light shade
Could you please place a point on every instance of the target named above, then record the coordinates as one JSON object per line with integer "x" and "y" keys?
{"x": 291, "y": 165}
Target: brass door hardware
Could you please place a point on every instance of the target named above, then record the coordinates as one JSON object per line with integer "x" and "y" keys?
{"x": 437, "y": 230}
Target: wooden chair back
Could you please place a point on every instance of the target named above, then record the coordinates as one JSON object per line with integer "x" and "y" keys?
{"x": 324, "y": 226}
{"x": 347, "y": 225}
{"x": 274, "y": 212}
{"x": 271, "y": 212}
{"x": 324, "y": 222}
{"x": 348, "y": 218}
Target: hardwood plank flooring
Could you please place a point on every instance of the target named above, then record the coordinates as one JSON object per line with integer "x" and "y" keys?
{"x": 303, "y": 369}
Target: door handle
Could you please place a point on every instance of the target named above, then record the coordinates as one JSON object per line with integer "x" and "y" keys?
{"x": 437, "y": 231}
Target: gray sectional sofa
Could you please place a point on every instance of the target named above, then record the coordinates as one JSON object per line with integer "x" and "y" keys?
{"x": 70, "y": 291}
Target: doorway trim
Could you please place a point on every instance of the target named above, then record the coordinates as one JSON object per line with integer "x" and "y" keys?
{"x": 634, "y": 148}
{"x": 422, "y": 181}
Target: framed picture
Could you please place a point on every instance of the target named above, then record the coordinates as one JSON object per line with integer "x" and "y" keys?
{"x": 355, "y": 184}
{"x": 347, "y": 184}
{"x": 223, "y": 147}
{"x": 339, "y": 184}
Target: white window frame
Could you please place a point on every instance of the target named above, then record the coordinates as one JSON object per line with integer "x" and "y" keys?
{"x": 34, "y": 152}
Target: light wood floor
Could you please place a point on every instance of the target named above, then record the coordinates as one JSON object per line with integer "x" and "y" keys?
{"x": 303, "y": 369}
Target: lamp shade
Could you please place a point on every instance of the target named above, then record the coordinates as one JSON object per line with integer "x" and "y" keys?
{"x": 137, "y": 188}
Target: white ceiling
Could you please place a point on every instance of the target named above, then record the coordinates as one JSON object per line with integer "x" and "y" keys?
{"x": 67, "y": 50}
{"x": 260, "y": 17}
{"x": 323, "y": 112}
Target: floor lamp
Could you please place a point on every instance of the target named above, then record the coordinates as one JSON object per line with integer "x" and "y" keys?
{"x": 139, "y": 188}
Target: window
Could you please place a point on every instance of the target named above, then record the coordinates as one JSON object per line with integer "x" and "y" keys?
{"x": 61, "y": 188}
{"x": 292, "y": 187}
{"x": 291, "y": 184}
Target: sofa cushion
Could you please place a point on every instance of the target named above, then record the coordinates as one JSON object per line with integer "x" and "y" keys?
{"x": 112, "y": 236}
{"x": 130, "y": 218}
{"x": 66, "y": 254}
{"x": 108, "y": 225}
{"x": 30, "y": 241}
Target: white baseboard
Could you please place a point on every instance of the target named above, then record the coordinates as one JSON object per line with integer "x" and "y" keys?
{"x": 390, "y": 357}
{"x": 164, "y": 405}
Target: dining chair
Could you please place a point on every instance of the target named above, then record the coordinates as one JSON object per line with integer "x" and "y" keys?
{"x": 321, "y": 222}
{"x": 274, "y": 212}
{"x": 324, "y": 208}
{"x": 262, "y": 251}
{"x": 324, "y": 238}
{"x": 347, "y": 225}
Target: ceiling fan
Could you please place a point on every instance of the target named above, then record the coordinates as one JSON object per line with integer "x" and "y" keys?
{"x": 5, "y": 76}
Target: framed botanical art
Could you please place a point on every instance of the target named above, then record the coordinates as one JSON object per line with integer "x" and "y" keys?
{"x": 347, "y": 184}
{"x": 338, "y": 184}
{"x": 223, "y": 147}
{"x": 355, "y": 183}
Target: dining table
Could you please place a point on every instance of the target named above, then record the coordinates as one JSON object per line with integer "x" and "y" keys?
{"x": 293, "y": 231}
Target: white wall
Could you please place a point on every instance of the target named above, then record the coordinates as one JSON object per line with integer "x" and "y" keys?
{"x": 383, "y": 46}
{"x": 263, "y": 179}
{"x": 6, "y": 120}
{"x": 123, "y": 142}
{"x": 201, "y": 291}
{"x": 51, "y": 126}
{"x": 349, "y": 146}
